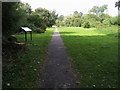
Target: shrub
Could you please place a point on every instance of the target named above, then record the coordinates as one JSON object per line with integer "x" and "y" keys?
{"x": 86, "y": 25}
{"x": 114, "y": 20}
{"x": 97, "y": 24}
{"x": 38, "y": 30}
{"x": 106, "y": 22}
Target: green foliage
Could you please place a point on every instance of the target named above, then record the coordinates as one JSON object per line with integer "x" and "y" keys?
{"x": 86, "y": 25}
{"x": 25, "y": 8}
{"x": 10, "y": 18}
{"x": 37, "y": 20}
{"x": 104, "y": 17}
{"x": 61, "y": 18}
{"x": 103, "y": 8}
{"x": 38, "y": 30}
{"x": 106, "y": 22}
{"x": 70, "y": 21}
{"x": 78, "y": 13}
{"x": 43, "y": 14}
{"x": 14, "y": 15}
{"x": 98, "y": 10}
{"x": 96, "y": 18}
{"x": 17, "y": 14}
{"x": 48, "y": 17}
{"x": 95, "y": 10}
{"x": 114, "y": 20}
{"x": 93, "y": 20}
{"x": 52, "y": 19}
{"x": 41, "y": 19}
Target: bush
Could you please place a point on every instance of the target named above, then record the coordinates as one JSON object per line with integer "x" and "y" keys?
{"x": 86, "y": 25}
{"x": 106, "y": 22}
{"x": 97, "y": 24}
{"x": 114, "y": 20}
{"x": 38, "y": 30}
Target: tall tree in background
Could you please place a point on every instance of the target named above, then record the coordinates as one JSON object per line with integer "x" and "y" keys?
{"x": 104, "y": 17}
{"x": 103, "y": 8}
{"x": 78, "y": 13}
{"x": 61, "y": 18}
{"x": 75, "y": 13}
{"x": 93, "y": 20}
{"x": 52, "y": 19}
{"x": 95, "y": 10}
{"x": 41, "y": 19}
{"x": 81, "y": 14}
{"x": 44, "y": 14}
{"x": 98, "y": 10}
{"x": 49, "y": 17}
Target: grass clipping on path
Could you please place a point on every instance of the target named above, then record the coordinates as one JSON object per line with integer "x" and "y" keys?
{"x": 23, "y": 71}
{"x": 94, "y": 55}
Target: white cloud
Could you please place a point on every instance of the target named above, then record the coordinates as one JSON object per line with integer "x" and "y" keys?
{"x": 66, "y": 7}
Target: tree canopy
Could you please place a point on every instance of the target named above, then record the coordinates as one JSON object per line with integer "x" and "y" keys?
{"x": 12, "y": 13}
{"x": 17, "y": 14}
{"x": 96, "y": 17}
{"x": 98, "y": 10}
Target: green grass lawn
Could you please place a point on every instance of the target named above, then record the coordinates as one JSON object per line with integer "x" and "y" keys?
{"x": 24, "y": 71}
{"x": 94, "y": 54}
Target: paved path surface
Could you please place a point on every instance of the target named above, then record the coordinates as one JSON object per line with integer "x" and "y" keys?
{"x": 57, "y": 71}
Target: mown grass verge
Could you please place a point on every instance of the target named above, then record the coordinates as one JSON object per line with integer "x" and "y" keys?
{"x": 94, "y": 54}
{"x": 23, "y": 71}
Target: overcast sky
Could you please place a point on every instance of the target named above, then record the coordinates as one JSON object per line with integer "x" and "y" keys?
{"x": 67, "y": 7}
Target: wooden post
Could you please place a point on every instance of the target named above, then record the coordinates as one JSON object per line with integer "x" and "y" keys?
{"x": 31, "y": 35}
{"x": 25, "y": 36}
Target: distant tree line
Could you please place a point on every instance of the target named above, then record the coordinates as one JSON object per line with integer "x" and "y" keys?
{"x": 17, "y": 14}
{"x": 97, "y": 17}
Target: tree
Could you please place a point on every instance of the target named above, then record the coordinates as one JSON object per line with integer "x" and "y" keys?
{"x": 92, "y": 19}
{"x": 71, "y": 20}
{"x": 98, "y": 10}
{"x": 86, "y": 24}
{"x": 104, "y": 17}
{"x": 25, "y": 8}
{"x": 75, "y": 13}
{"x": 103, "y": 8}
{"x": 41, "y": 19}
{"x": 49, "y": 17}
{"x": 95, "y": 10}
{"x": 52, "y": 19}
{"x": 78, "y": 13}
{"x": 37, "y": 22}
{"x": 106, "y": 22}
{"x": 117, "y": 4}
{"x": 44, "y": 14}
{"x": 12, "y": 13}
{"x": 81, "y": 14}
{"x": 61, "y": 18}
{"x": 114, "y": 20}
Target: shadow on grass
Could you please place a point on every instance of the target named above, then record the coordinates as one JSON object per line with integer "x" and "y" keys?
{"x": 64, "y": 33}
{"x": 113, "y": 35}
{"x": 94, "y": 35}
